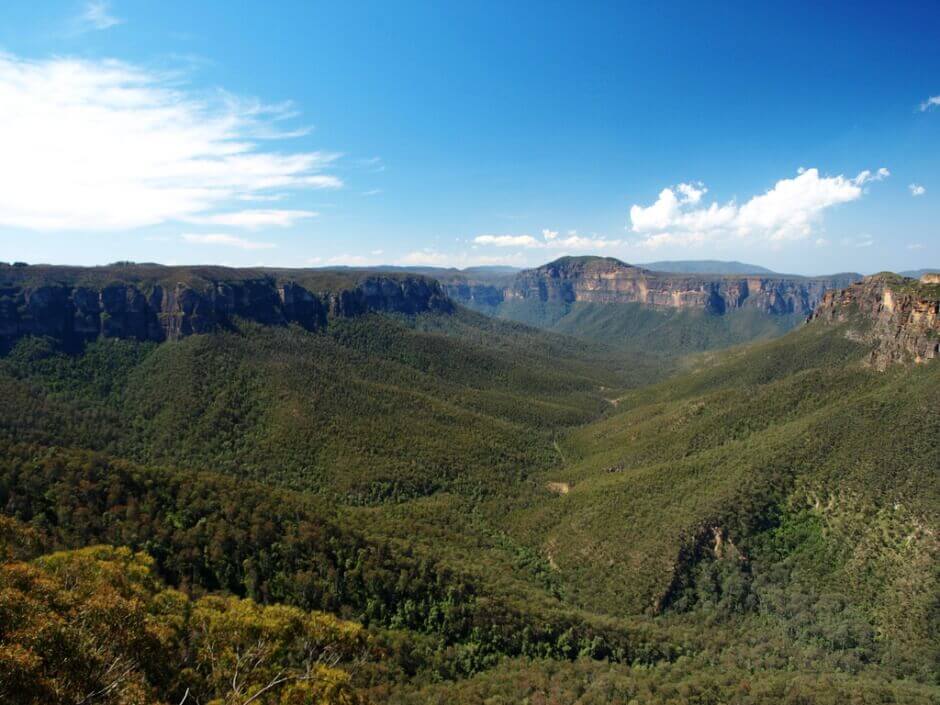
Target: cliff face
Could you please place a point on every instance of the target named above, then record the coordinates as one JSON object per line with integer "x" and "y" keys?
{"x": 75, "y": 305}
{"x": 607, "y": 280}
{"x": 899, "y": 317}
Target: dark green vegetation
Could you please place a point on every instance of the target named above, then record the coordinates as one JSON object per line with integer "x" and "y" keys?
{"x": 786, "y": 482}
{"x": 448, "y": 508}
{"x": 376, "y": 408}
{"x": 667, "y": 332}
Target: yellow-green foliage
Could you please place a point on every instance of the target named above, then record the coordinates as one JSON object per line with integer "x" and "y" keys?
{"x": 96, "y": 625}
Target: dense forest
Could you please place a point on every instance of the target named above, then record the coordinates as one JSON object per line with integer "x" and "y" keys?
{"x": 440, "y": 507}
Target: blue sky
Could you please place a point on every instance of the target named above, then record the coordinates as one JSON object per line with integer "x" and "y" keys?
{"x": 799, "y": 137}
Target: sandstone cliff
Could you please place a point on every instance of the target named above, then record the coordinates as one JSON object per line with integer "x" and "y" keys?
{"x": 607, "y": 280}
{"x": 150, "y": 302}
{"x": 896, "y": 315}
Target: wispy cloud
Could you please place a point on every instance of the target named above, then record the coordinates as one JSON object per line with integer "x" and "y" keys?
{"x": 97, "y": 15}
{"x": 374, "y": 164}
{"x": 433, "y": 258}
{"x": 507, "y": 240}
{"x": 917, "y": 189}
{"x": 226, "y": 240}
{"x": 550, "y": 240}
{"x": 105, "y": 145}
{"x": 932, "y": 102}
{"x": 346, "y": 259}
{"x": 788, "y": 211}
{"x": 258, "y": 218}
{"x": 863, "y": 240}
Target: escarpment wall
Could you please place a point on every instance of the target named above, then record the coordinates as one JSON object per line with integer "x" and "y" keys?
{"x": 899, "y": 317}
{"x": 71, "y": 310}
{"x": 607, "y": 280}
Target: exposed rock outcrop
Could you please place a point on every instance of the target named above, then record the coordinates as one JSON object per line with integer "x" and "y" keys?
{"x": 167, "y": 303}
{"x": 607, "y": 280}
{"x": 899, "y": 317}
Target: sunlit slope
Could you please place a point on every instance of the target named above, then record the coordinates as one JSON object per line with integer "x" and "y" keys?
{"x": 788, "y": 469}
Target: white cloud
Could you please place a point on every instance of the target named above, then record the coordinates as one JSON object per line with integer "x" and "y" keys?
{"x": 346, "y": 259}
{"x": 932, "y": 102}
{"x": 691, "y": 193}
{"x": 550, "y": 240}
{"x": 97, "y": 15}
{"x": 226, "y": 240}
{"x": 917, "y": 189}
{"x": 788, "y": 211}
{"x": 253, "y": 218}
{"x": 579, "y": 242}
{"x": 915, "y": 246}
{"x": 866, "y": 175}
{"x": 507, "y": 240}
{"x": 104, "y": 145}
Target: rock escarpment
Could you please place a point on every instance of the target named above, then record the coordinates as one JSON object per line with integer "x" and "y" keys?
{"x": 897, "y": 316}
{"x": 608, "y": 280}
{"x": 149, "y": 302}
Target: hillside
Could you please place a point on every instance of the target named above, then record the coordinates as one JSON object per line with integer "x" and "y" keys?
{"x": 462, "y": 507}
{"x": 775, "y": 481}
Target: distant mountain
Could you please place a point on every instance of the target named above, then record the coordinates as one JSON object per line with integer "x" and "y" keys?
{"x": 918, "y": 273}
{"x": 706, "y": 266}
{"x": 606, "y": 300}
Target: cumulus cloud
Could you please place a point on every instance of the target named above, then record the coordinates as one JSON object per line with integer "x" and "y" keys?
{"x": 917, "y": 189}
{"x": 105, "y": 145}
{"x": 788, "y": 211}
{"x": 226, "y": 240}
{"x": 932, "y": 102}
